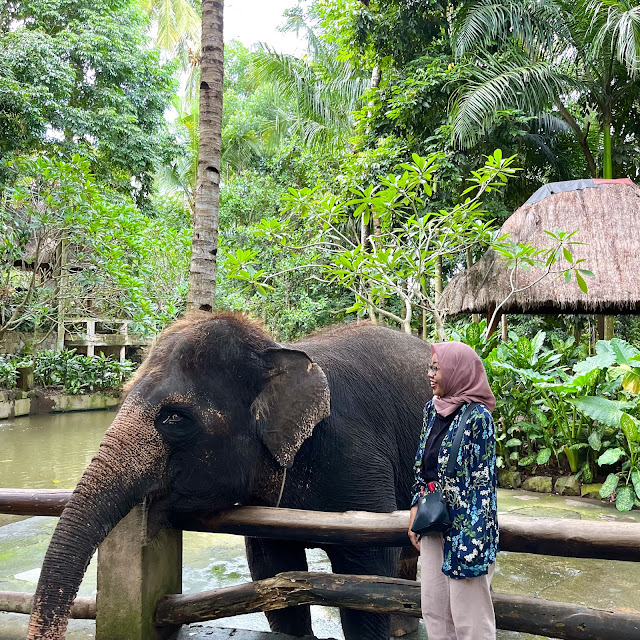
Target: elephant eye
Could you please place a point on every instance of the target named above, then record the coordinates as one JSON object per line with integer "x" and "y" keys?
{"x": 174, "y": 418}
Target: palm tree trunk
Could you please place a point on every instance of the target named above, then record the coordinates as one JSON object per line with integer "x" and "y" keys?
{"x": 607, "y": 172}
{"x": 607, "y": 164}
{"x": 202, "y": 280}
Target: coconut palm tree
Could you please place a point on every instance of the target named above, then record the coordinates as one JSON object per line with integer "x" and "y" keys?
{"x": 580, "y": 60}
{"x": 202, "y": 280}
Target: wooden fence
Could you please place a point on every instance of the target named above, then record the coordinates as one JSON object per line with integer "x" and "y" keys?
{"x": 139, "y": 579}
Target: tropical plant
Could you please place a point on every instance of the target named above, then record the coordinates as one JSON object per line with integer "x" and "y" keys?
{"x": 74, "y": 373}
{"x": 576, "y": 61}
{"x": 616, "y": 439}
{"x": 8, "y": 372}
{"x": 88, "y": 252}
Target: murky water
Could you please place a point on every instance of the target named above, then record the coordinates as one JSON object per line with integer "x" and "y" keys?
{"x": 48, "y": 452}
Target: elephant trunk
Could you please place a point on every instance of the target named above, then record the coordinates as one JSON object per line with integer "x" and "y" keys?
{"x": 130, "y": 461}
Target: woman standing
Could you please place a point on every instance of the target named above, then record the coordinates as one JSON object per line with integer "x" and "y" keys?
{"x": 456, "y": 566}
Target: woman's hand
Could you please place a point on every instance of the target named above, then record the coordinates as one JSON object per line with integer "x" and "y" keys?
{"x": 413, "y": 536}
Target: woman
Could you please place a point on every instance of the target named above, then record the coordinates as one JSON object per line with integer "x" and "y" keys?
{"x": 456, "y": 567}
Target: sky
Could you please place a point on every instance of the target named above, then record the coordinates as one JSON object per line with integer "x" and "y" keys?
{"x": 252, "y": 21}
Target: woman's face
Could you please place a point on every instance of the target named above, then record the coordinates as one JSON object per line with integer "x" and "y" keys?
{"x": 435, "y": 376}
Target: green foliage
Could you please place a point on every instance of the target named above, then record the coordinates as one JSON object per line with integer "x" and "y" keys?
{"x": 394, "y": 266}
{"x": 555, "y": 406}
{"x": 75, "y": 373}
{"x": 578, "y": 61}
{"x": 8, "y": 372}
{"x": 119, "y": 263}
{"x": 79, "y": 77}
{"x": 70, "y": 372}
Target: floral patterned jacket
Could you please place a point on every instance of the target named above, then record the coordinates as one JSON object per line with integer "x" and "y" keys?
{"x": 471, "y": 543}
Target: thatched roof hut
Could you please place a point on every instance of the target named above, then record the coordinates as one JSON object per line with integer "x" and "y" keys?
{"x": 607, "y": 216}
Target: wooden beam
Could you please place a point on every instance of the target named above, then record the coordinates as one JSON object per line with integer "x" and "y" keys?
{"x": 392, "y": 595}
{"x": 524, "y": 534}
{"x": 33, "y": 502}
{"x": 12, "y": 602}
{"x": 549, "y": 536}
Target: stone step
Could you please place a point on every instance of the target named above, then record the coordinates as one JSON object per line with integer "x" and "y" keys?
{"x": 195, "y": 632}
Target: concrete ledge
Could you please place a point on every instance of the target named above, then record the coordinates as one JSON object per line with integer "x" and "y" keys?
{"x": 14, "y": 404}
{"x": 21, "y": 407}
{"x": 88, "y": 402}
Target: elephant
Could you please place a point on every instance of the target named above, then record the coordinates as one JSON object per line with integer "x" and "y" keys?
{"x": 220, "y": 414}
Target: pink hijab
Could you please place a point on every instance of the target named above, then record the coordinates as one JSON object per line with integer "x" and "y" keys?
{"x": 463, "y": 377}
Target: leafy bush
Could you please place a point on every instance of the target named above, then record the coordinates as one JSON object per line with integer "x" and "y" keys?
{"x": 8, "y": 372}
{"x": 76, "y": 373}
{"x": 556, "y": 407}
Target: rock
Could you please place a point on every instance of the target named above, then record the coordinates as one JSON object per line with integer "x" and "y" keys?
{"x": 541, "y": 484}
{"x": 590, "y": 490}
{"x": 567, "y": 486}
{"x": 509, "y": 479}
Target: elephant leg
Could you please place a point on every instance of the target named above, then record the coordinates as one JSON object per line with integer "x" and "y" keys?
{"x": 407, "y": 569}
{"x": 266, "y": 558}
{"x": 379, "y": 561}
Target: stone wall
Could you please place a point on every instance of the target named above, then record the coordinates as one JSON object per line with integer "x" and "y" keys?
{"x": 14, "y": 341}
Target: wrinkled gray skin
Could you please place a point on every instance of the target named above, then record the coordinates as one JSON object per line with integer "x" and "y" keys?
{"x": 212, "y": 418}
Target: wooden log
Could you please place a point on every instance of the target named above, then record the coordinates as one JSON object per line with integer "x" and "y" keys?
{"x": 563, "y": 620}
{"x": 33, "y": 502}
{"x": 12, "y": 602}
{"x": 523, "y": 534}
{"x": 392, "y": 595}
{"x": 367, "y": 593}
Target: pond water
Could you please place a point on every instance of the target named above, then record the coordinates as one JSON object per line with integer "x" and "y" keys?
{"x": 50, "y": 452}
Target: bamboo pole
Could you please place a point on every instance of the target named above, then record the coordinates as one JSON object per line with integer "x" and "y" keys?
{"x": 392, "y": 595}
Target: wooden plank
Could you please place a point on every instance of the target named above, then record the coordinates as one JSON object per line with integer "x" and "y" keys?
{"x": 523, "y": 534}
{"x": 392, "y": 595}
{"x": 12, "y": 602}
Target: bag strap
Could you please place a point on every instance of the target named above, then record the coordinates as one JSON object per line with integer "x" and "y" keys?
{"x": 457, "y": 439}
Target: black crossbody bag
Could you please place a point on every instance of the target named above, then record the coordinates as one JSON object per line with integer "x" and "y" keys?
{"x": 433, "y": 513}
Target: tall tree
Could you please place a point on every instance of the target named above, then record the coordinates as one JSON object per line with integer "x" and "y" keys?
{"x": 202, "y": 280}
{"x": 64, "y": 91}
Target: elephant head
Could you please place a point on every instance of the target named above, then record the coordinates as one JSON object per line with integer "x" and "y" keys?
{"x": 215, "y": 400}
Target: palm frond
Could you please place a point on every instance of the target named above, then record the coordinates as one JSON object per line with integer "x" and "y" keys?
{"x": 324, "y": 94}
{"x": 177, "y": 21}
{"x": 614, "y": 28}
{"x": 515, "y": 83}
{"x": 538, "y": 24}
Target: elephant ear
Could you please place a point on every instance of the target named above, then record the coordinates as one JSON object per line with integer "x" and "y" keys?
{"x": 294, "y": 400}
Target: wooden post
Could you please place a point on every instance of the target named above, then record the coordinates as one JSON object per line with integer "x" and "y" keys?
{"x": 133, "y": 574}
{"x": 124, "y": 330}
{"x": 505, "y": 329}
{"x": 91, "y": 337}
{"x": 608, "y": 327}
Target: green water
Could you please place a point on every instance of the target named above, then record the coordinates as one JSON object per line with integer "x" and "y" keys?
{"x": 48, "y": 452}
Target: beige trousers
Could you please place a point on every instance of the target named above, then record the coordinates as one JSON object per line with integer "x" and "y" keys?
{"x": 453, "y": 609}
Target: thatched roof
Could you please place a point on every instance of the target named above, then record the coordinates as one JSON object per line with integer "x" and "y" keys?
{"x": 607, "y": 216}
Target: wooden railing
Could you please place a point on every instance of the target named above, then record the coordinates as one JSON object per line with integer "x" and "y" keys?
{"x": 133, "y": 574}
